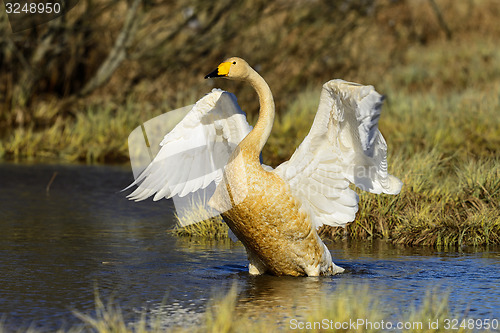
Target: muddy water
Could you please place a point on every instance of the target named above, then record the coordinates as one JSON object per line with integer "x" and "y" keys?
{"x": 58, "y": 247}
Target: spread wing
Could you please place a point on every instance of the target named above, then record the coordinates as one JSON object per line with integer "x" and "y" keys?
{"x": 194, "y": 153}
{"x": 343, "y": 146}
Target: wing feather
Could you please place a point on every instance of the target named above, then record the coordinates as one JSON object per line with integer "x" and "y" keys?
{"x": 343, "y": 146}
{"x": 194, "y": 152}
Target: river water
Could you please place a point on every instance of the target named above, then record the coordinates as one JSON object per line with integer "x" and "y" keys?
{"x": 58, "y": 247}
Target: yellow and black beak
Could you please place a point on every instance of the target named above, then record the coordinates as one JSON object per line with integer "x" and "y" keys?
{"x": 221, "y": 71}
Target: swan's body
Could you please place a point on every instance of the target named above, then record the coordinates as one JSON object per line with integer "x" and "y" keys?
{"x": 275, "y": 213}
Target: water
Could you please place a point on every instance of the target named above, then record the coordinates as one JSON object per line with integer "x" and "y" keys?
{"x": 58, "y": 247}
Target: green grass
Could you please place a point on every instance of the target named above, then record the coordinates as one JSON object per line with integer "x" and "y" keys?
{"x": 225, "y": 313}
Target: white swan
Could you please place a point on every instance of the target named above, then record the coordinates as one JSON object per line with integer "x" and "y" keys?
{"x": 275, "y": 213}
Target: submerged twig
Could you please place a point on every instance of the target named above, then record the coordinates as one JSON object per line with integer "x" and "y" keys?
{"x": 47, "y": 188}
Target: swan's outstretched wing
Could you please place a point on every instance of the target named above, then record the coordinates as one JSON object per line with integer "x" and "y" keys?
{"x": 195, "y": 152}
{"x": 344, "y": 145}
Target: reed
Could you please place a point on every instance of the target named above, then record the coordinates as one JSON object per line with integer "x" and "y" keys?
{"x": 225, "y": 314}
{"x": 197, "y": 221}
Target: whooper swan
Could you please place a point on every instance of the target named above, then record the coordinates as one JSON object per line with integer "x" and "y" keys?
{"x": 275, "y": 213}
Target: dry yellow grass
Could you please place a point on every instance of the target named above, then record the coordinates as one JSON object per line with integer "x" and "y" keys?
{"x": 400, "y": 47}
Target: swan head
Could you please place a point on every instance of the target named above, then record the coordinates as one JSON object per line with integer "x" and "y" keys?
{"x": 232, "y": 68}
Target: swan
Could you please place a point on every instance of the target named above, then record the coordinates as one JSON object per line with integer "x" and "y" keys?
{"x": 275, "y": 213}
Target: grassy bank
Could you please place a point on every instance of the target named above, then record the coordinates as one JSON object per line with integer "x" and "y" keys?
{"x": 444, "y": 203}
{"x": 342, "y": 306}
{"x": 401, "y": 47}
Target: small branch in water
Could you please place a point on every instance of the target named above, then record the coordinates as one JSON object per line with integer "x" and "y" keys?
{"x": 47, "y": 189}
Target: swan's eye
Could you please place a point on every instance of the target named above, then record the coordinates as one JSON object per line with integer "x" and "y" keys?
{"x": 234, "y": 62}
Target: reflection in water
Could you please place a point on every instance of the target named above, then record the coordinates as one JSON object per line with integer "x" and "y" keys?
{"x": 282, "y": 297}
{"x": 55, "y": 248}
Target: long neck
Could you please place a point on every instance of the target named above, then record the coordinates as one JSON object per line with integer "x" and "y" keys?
{"x": 257, "y": 138}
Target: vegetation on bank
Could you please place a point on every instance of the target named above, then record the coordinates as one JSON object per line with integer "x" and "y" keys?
{"x": 62, "y": 95}
{"x": 445, "y": 150}
{"x": 196, "y": 221}
{"x": 345, "y": 305}
{"x": 443, "y": 204}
